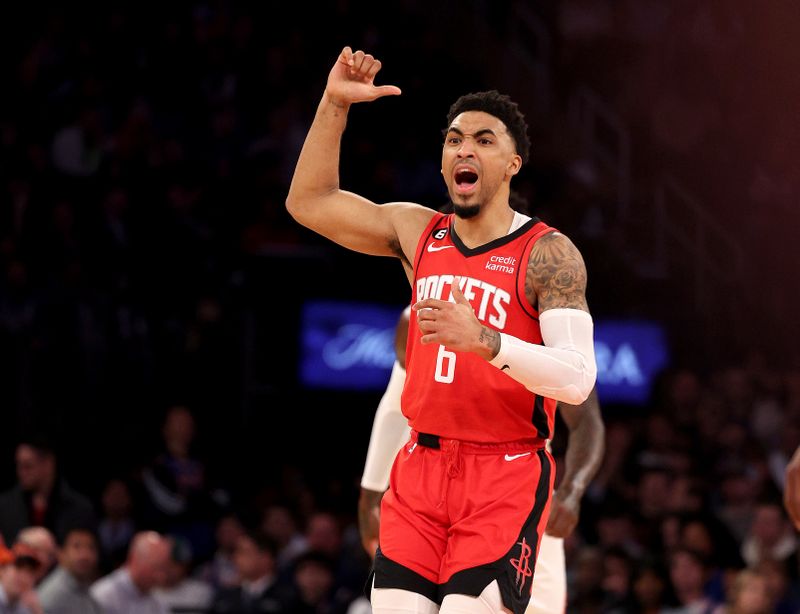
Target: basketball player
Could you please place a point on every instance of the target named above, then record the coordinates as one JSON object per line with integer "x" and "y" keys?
{"x": 583, "y": 457}
{"x": 500, "y": 331}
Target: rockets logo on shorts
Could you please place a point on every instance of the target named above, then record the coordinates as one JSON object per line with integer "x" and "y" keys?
{"x": 522, "y": 564}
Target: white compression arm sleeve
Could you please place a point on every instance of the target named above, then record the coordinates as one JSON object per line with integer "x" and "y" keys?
{"x": 390, "y": 431}
{"x": 564, "y": 367}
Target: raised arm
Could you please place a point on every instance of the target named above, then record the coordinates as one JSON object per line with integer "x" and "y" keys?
{"x": 315, "y": 198}
{"x": 585, "y": 448}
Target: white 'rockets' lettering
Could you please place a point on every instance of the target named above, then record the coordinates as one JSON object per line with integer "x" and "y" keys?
{"x": 434, "y": 286}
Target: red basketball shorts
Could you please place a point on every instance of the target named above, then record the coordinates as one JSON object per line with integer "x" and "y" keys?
{"x": 459, "y": 515}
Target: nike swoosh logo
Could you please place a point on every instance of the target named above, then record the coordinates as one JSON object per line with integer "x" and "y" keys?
{"x": 434, "y": 248}
{"x": 516, "y": 456}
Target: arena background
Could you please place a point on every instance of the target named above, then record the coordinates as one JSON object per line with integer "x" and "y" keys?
{"x": 148, "y": 261}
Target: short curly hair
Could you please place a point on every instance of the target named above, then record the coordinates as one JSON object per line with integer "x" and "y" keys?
{"x": 503, "y": 108}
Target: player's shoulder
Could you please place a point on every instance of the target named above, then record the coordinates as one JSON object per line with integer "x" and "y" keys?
{"x": 552, "y": 247}
{"x": 410, "y": 219}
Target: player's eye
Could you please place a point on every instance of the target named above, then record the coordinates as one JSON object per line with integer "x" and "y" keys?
{"x": 453, "y": 140}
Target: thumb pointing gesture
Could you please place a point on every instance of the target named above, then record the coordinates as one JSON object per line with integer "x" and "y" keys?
{"x": 352, "y": 79}
{"x": 458, "y": 296}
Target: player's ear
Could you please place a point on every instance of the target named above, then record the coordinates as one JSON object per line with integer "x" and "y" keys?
{"x": 514, "y": 165}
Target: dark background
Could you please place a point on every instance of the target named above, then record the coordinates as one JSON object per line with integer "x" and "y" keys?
{"x": 147, "y": 258}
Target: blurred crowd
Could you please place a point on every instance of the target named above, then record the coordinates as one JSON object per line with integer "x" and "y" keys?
{"x": 143, "y": 165}
{"x": 685, "y": 515}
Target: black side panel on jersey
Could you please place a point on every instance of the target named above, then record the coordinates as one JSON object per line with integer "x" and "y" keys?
{"x": 539, "y": 418}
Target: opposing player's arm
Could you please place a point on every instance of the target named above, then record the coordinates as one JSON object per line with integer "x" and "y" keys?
{"x": 585, "y": 448}
{"x": 390, "y": 431}
{"x": 315, "y": 198}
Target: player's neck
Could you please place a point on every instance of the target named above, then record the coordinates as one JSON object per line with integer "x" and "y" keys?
{"x": 492, "y": 222}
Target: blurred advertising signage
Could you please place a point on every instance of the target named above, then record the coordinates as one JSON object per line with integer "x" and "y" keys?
{"x": 629, "y": 354}
{"x": 347, "y": 345}
{"x": 351, "y": 346}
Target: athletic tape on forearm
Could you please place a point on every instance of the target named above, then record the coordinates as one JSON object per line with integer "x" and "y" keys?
{"x": 390, "y": 431}
{"x": 564, "y": 367}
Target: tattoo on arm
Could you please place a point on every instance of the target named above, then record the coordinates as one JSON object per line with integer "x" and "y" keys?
{"x": 556, "y": 275}
{"x": 491, "y": 339}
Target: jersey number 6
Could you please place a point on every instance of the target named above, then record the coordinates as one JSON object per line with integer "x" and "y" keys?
{"x": 442, "y": 375}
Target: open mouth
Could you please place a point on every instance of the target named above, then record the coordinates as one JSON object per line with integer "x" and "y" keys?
{"x": 465, "y": 180}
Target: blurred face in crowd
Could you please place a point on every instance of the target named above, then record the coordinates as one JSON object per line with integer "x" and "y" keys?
{"x": 228, "y": 532}
{"x": 17, "y": 580}
{"x": 116, "y": 500}
{"x": 775, "y": 575}
{"x": 79, "y": 555}
{"x": 654, "y": 489}
{"x": 179, "y": 429}
{"x": 589, "y": 570}
{"x": 148, "y": 559}
{"x": 649, "y": 588}
{"x": 252, "y": 563}
{"x": 35, "y": 469}
{"x": 323, "y": 534}
{"x": 752, "y": 596}
{"x": 614, "y": 530}
{"x": 42, "y": 546}
{"x": 278, "y": 524}
{"x": 769, "y": 524}
{"x": 314, "y": 581}
{"x": 617, "y": 574}
{"x": 687, "y": 573}
{"x": 697, "y": 537}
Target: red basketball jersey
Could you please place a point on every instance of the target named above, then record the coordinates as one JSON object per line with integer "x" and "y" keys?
{"x": 459, "y": 395}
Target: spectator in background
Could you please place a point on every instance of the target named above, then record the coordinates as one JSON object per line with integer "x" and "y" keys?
{"x": 220, "y": 572}
{"x": 279, "y": 523}
{"x": 350, "y": 565}
{"x": 175, "y": 483}
{"x": 585, "y": 581}
{"x": 785, "y": 595}
{"x": 315, "y": 588}
{"x": 689, "y": 574}
{"x": 129, "y": 589}
{"x": 748, "y": 595}
{"x": 710, "y": 538}
{"x": 17, "y": 578}
{"x": 41, "y": 497}
{"x": 259, "y": 590}
{"x": 66, "y": 590}
{"x": 182, "y": 593}
{"x": 117, "y": 526}
{"x": 770, "y": 536}
{"x": 651, "y": 591}
{"x": 43, "y": 546}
